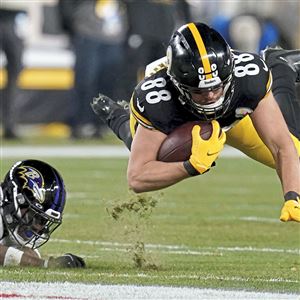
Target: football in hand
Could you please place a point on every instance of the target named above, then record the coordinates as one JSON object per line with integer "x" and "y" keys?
{"x": 178, "y": 144}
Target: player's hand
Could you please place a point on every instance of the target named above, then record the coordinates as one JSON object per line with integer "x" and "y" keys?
{"x": 67, "y": 260}
{"x": 205, "y": 152}
{"x": 290, "y": 211}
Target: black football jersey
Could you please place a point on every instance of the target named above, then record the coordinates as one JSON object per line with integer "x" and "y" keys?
{"x": 155, "y": 102}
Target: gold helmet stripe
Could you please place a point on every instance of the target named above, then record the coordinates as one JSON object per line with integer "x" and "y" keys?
{"x": 201, "y": 49}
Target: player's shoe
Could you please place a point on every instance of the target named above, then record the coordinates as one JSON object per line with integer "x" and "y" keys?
{"x": 277, "y": 55}
{"x": 105, "y": 108}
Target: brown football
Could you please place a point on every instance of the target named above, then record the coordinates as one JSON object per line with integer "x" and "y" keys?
{"x": 177, "y": 145}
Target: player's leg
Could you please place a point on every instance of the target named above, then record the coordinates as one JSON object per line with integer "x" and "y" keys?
{"x": 116, "y": 116}
{"x": 244, "y": 137}
{"x": 285, "y": 68}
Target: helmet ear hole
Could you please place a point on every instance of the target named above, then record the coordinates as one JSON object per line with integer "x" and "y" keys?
{"x": 184, "y": 69}
{"x": 39, "y": 206}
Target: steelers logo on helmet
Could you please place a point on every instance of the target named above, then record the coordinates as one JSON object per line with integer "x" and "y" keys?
{"x": 211, "y": 82}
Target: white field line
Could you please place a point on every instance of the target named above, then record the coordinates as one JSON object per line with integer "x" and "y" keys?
{"x": 77, "y": 196}
{"x": 176, "y": 252}
{"x": 199, "y": 277}
{"x": 168, "y": 277}
{"x": 259, "y": 219}
{"x": 64, "y": 151}
{"x": 177, "y": 249}
{"x": 185, "y": 276}
{"x": 72, "y": 291}
{"x": 82, "y": 151}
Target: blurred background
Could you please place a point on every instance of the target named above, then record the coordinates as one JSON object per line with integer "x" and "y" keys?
{"x": 56, "y": 55}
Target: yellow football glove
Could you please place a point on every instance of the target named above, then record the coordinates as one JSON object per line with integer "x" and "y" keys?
{"x": 291, "y": 207}
{"x": 204, "y": 152}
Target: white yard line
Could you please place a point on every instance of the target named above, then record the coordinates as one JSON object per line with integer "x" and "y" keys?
{"x": 81, "y": 151}
{"x": 186, "y": 276}
{"x": 64, "y": 151}
{"x": 259, "y": 219}
{"x": 72, "y": 291}
{"x": 179, "y": 249}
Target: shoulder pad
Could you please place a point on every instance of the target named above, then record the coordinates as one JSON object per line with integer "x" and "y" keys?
{"x": 156, "y": 66}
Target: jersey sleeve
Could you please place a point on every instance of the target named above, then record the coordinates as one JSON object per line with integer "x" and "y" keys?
{"x": 253, "y": 76}
{"x": 137, "y": 109}
{"x": 153, "y": 103}
{"x": 264, "y": 78}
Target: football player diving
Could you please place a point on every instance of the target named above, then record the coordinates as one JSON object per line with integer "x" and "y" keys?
{"x": 32, "y": 200}
{"x": 201, "y": 78}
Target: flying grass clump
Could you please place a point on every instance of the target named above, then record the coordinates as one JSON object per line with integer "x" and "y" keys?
{"x": 141, "y": 205}
{"x": 132, "y": 216}
{"x": 141, "y": 259}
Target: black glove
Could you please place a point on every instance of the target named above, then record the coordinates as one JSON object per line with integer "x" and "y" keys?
{"x": 67, "y": 260}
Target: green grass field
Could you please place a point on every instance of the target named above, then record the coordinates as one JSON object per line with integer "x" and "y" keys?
{"x": 220, "y": 230}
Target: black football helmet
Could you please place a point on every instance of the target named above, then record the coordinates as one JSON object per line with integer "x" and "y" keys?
{"x": 199, "y": 61}
{"x": 32, "y": 200}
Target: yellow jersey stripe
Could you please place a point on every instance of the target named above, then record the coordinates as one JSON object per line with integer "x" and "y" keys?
{"x": 269, "y": 83}
{"x": 139, "y": 117}
{"x": 132, "y": 124}
{"x": 201, "y": 49}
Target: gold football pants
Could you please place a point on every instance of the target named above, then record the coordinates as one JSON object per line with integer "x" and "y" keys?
{"x": 244, "y": 137}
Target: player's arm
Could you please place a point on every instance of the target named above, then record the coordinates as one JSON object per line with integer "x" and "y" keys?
{"x": 271, "y": 127}
{"x": 144, "y": 172}
{"x": 26, "y": 257}
{"x": 10, "y": 256}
